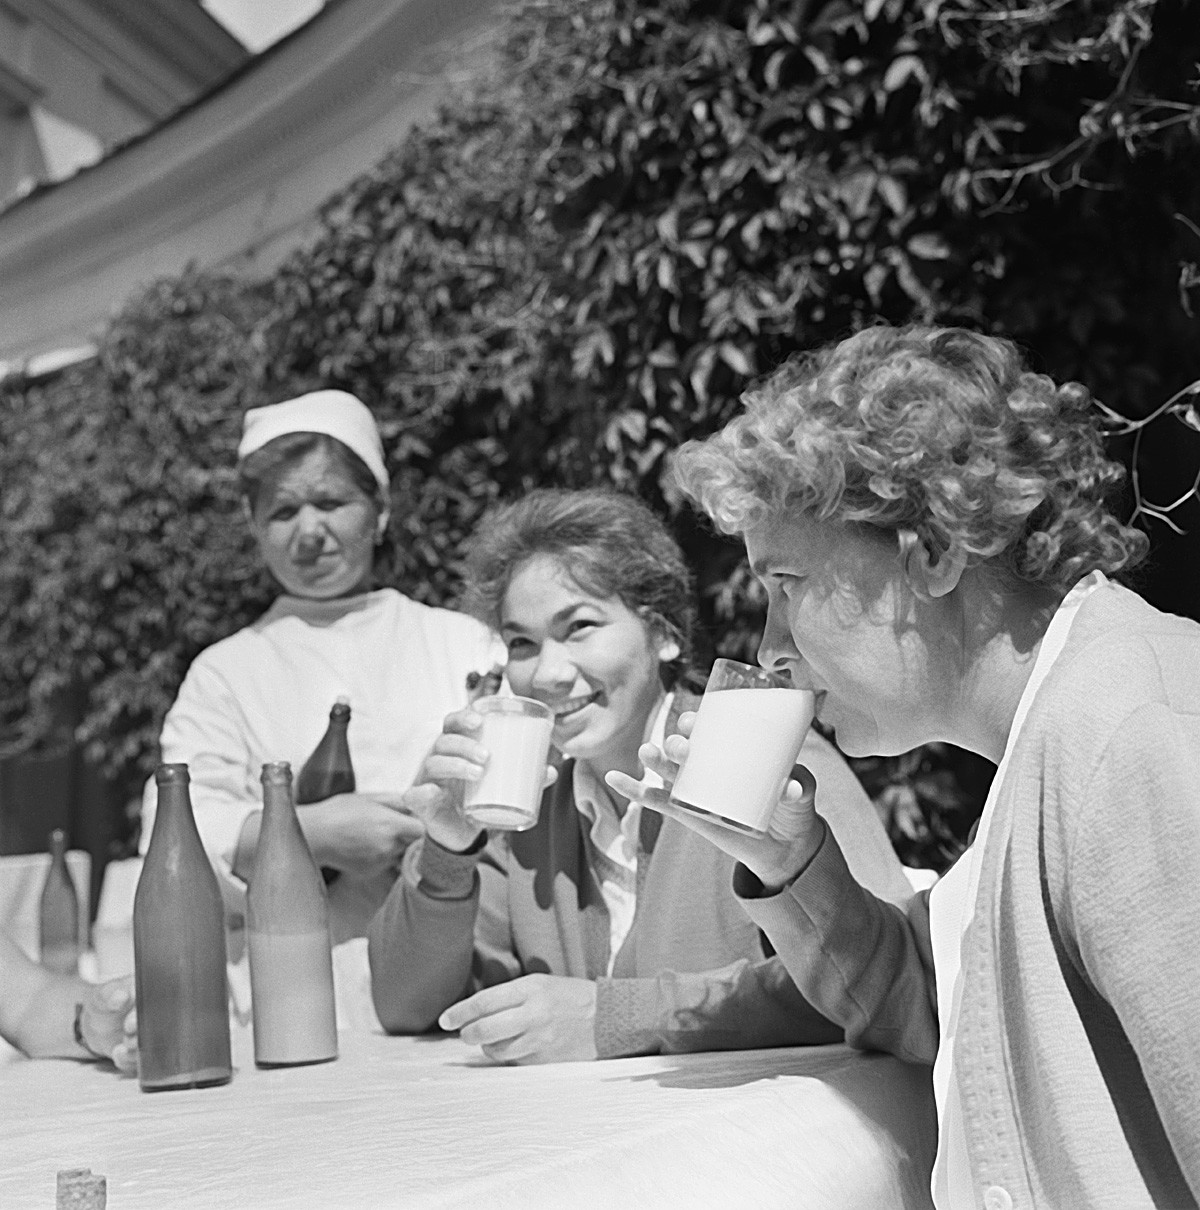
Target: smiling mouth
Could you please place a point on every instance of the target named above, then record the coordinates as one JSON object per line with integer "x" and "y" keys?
{"x": 573, "y": 707}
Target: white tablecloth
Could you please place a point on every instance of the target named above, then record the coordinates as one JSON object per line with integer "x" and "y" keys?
{"x": 425, "y": 1123}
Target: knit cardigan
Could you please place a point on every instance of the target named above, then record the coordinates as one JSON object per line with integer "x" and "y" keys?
{"x": 692, "y": 974}
{"x": 1078, "y": 1051}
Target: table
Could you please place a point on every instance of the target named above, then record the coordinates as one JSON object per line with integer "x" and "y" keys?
{"x": 426, "y": 1123}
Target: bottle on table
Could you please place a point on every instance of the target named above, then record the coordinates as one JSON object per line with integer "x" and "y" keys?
{"x": 179, "y": 951}
{"x": 287, "y": 922}
{"x": 58, "y": 914}
{"x": 329, "y": 770}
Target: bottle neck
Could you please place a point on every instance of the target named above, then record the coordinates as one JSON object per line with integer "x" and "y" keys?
{"x": 173, "y": 820}
{"x": 279, "y": 814}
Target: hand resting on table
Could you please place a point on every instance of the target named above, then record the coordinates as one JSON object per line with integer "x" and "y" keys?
{"x": 533, "y": 1019}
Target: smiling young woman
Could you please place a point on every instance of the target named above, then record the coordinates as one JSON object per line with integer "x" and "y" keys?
{"x": 601, "y": 931}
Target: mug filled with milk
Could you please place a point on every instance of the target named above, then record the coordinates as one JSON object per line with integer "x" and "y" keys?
{"x": 516, "y": 733}
{"x": 744, "y": 742}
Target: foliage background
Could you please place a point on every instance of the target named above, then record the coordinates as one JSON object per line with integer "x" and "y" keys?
{"x": 580, "y": 264}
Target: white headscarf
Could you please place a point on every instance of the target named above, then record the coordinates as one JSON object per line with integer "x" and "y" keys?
{"x": 336, "y": 414}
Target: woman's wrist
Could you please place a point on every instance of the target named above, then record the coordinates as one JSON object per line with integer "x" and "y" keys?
{"x": 800, "y": 856}
{"x": 460, "y": 840}
{"x": 81, "y": 1038}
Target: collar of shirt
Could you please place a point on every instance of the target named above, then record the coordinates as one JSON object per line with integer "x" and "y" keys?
{"x": 615, "y": 838}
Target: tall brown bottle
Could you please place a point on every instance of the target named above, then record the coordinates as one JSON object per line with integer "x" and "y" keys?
{"x": 179, "y": 951}
{"x": 287, "y": 919}
{"x": 329, "y": 770}
{"x": 58, "y": 914}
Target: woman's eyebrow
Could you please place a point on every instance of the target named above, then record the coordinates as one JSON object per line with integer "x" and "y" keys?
{"x": 561, "y": 616}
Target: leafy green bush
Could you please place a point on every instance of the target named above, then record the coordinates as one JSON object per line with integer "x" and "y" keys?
{"x": 123, "y": 551}
{"x": 583, "y": 261}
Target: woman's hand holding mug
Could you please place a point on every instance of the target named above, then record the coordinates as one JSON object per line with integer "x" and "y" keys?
{"x": 792, "y": 838}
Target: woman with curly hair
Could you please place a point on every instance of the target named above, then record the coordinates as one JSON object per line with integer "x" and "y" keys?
{"x": 603, "y": 930}
{"x": 930, "y": 521}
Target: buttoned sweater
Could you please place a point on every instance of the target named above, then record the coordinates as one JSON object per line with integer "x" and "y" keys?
{"x": 1078, "y": 1052}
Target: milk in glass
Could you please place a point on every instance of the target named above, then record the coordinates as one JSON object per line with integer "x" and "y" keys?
{"x": 516, "y": 733}
{"x": 741, "y": 752}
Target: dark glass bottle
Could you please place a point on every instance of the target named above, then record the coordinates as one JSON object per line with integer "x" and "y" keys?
{"x": 329, "y": 770}
{"x": 287, "y": 919}
{"x": 58, "y": 915}
{"x": 179, "y": 951}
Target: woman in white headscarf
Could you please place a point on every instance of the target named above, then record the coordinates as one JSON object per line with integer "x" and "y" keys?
{"x": 316, "y": 494}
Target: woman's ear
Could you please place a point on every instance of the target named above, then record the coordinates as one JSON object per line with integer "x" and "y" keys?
{"x": 932, "y": 573}
{"x": 381, "y": 524}
{"x": 666, "y": 645}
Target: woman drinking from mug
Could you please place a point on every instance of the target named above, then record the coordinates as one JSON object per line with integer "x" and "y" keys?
{"x": 601, "y": 931}
{"x": 930, "y": 521}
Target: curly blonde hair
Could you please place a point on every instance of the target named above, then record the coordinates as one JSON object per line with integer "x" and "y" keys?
{"x": 940, "y": 432}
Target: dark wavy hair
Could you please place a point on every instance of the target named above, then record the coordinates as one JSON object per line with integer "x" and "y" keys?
{"x": 941, "y": 433}
{"x": 608, "y": 542}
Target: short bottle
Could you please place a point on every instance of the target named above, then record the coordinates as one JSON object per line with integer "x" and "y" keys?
{"x": 179, "y": 951}
{"x": 287, "y": 921}
{"x": 58, "y": 915}
{"x": 329, "y": 770}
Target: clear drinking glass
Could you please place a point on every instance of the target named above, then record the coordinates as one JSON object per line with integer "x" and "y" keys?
{"x": 745, "y": 740}
{"x": 516, "y": 733}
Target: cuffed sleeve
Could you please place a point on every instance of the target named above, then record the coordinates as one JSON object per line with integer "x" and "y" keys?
{"x": 860, "y": 961}
{"x": 746, "y": 1005}
{"x": 421, "y": 942}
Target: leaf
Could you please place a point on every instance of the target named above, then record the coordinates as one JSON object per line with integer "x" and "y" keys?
{"x": 901, "y": 70}
{"x": 736, "y": 359}
{"x": 928, "y": 246}
{"x": 893, "y": 193}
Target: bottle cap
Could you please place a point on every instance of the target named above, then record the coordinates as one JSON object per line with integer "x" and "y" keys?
{"x": 168, "y": 774}
{"x": 277, "y": 772}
